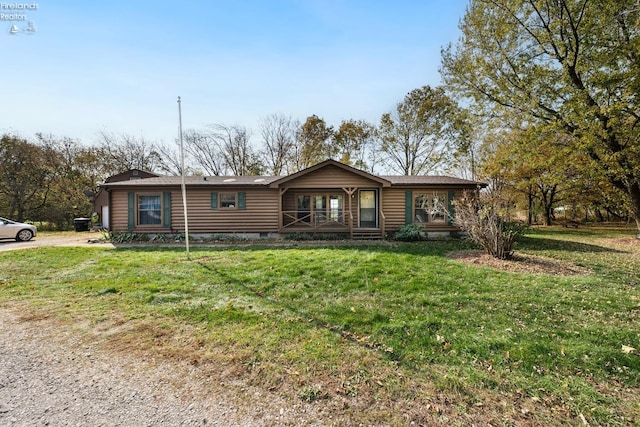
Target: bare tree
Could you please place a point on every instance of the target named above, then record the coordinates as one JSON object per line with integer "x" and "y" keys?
{"x": 205, "y": 151}
{"x": 279, "y": 135}
{"x": 172, "y": 161}
{"x": 222, "y": 150}
{"x": 124, "y": 152}
{"x": 479, "y": 216}
{"x": 237, "y": 152}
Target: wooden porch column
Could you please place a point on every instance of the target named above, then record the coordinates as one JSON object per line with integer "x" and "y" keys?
{"x": 350, "y": 191}
{"x": 280, "y": 223}
{"x": 382, "y": 218}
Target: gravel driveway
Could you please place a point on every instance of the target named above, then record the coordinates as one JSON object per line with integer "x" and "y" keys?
{"x": 58, "y": 381}
{"x": 51, "y": 375}
{"x": 56, "y": 239}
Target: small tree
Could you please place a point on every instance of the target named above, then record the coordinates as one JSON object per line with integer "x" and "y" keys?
{"x": 478, "y": 215}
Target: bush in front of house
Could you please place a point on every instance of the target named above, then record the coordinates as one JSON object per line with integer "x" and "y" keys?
{"x": 478, "y": 215}
{"x": 409, "y": 233}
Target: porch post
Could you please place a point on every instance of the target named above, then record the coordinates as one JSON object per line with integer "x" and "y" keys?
{"x": 350, "y": 191}
{"x": 381, "y": 217}
{"x": 280, "y": 221}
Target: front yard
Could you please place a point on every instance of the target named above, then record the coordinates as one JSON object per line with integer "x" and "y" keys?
{"x": 382, "y": 334}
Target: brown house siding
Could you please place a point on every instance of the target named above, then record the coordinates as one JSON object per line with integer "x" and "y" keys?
{"x": 119, "y": 211}
{"x": 259, "y": 216}
{"x": 270, "y": 204}
{"x": 394, "y": 206}
{"x": 331, "y": 177}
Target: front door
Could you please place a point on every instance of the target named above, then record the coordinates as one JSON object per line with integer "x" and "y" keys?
{"x": 368, "y": 208}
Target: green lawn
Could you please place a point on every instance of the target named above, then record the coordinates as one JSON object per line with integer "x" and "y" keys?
{"x": 397, "y": 329}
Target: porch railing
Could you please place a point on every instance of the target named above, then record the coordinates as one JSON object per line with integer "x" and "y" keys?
{"x": 318, "y": 220}
{"x": 312, "y": 219}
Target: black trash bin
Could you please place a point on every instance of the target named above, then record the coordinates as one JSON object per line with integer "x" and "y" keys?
{"x": 82, "y": 224}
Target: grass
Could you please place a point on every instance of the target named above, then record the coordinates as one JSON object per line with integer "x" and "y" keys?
{"x": 383, "y": 334}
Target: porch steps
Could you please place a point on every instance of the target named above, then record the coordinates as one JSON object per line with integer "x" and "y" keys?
{"x": 367, "y": 234}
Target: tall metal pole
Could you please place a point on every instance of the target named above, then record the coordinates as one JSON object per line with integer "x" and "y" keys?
{"x": 184, "y": 188}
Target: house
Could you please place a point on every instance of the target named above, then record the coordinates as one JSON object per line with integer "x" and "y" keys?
{"x": 329, "y": 197}
{"x": 101, "y": 199}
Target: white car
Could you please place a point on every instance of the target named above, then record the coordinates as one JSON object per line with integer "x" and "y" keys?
{"x": 16, "y": 230}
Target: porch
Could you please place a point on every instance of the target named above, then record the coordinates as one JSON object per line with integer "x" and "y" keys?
{"x": 350, "y": 210}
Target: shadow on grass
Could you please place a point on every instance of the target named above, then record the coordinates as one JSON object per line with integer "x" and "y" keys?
{"x": 308, "y": 318}
{"x": 543, "y": 243}
{"x": 427, "y": 247}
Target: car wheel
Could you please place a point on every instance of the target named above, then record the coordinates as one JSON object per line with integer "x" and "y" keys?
{"x": 24, "y": 235}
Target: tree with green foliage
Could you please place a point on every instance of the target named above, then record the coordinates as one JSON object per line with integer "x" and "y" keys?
{"x": 534, "y": 169}
{"x": 314, "y": 142}
{"x": 76, "y": 172}
{"x": 572, "y": 66}
{"x": 25, "y": 177}
{"x": 354, "y": 140}
{"x": 416, "y": 136}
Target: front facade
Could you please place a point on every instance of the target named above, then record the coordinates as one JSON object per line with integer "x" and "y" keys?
{"x": 329, "y": 197}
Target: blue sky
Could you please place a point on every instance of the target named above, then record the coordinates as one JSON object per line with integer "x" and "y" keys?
{"x": 119, "y": 66}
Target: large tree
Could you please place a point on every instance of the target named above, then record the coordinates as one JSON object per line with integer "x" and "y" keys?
{"x": 314, "y": 142}
{"x": 222, "y": 150}
{"x": 24, "y": 177}
{"x": 415, "y": 137}
{"x": 204, "y": 149}
{"x": 534, "y": 170}
{"x": 122, "y": 152}
{"x": 279, "y": 136}
{"x": 75, "y": 172}
{"x": 238, "y": 154}
{"x": 570, "y": 65}
{"x": 354, "y": 141}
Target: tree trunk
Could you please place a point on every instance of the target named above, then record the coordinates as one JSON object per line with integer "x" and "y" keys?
{"x": 634, "y": 195}
{"x": 547, "y": 196}
{"x": 598, "y": 213}
{"x": 547, "y": 215}
{"x": 530, "y": 207}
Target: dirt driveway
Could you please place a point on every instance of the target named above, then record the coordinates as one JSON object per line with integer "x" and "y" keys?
{"x": 53, "y": 239}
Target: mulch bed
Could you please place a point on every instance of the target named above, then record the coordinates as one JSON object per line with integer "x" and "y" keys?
{"x": 521, "y": 263}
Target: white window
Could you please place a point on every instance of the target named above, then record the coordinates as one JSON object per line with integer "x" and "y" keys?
{"x": 430, "y": 208}
{"x": 149, "y": 210}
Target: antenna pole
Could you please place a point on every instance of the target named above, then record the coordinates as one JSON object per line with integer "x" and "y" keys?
{"x": 184, "y": 188}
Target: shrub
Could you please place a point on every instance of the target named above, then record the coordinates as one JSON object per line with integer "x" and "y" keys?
{"x": 479, "y": 217}
{"x": 409, "y": 233}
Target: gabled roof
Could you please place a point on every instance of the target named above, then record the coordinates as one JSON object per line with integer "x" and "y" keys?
{"x": 331, "y": 162}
